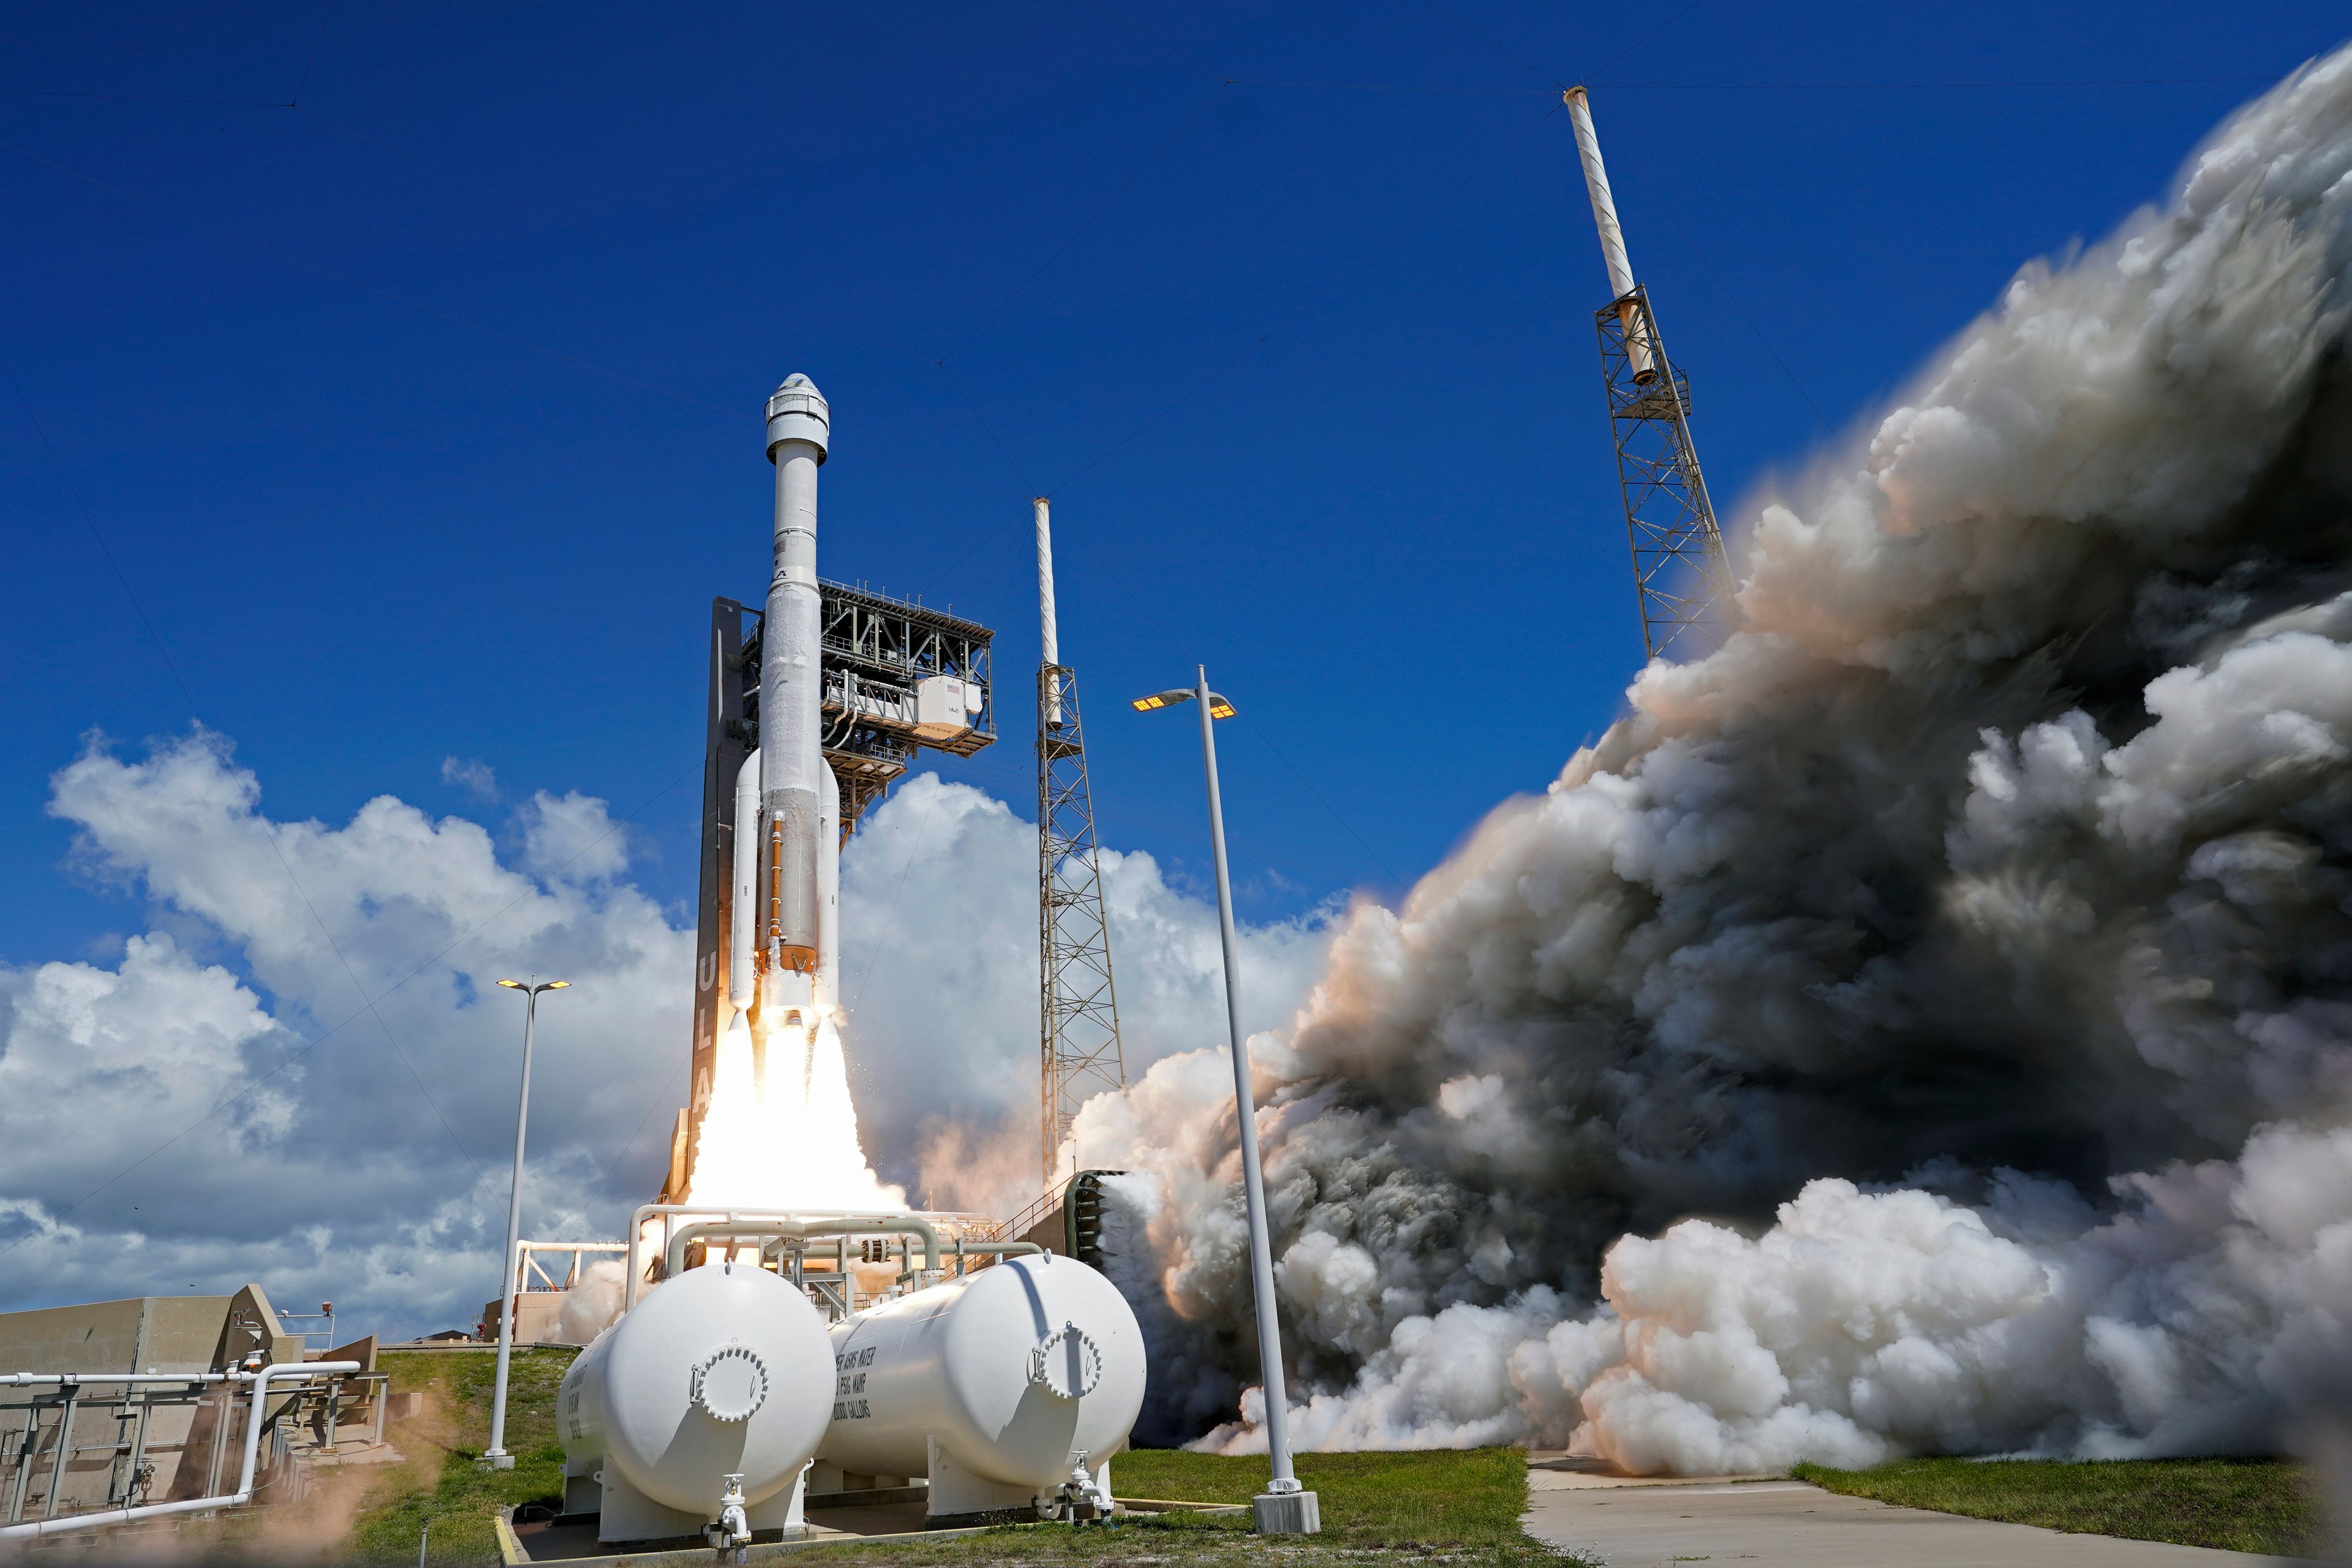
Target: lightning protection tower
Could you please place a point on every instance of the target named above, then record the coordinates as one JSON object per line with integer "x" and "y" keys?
{"x": 1682, "y": 578}
{"x": 1078, "y": 1003}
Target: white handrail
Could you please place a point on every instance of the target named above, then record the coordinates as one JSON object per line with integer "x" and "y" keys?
{"x": 260, "y": 1380}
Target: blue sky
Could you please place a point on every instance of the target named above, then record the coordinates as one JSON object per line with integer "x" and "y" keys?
{"x": 422, "y": 420}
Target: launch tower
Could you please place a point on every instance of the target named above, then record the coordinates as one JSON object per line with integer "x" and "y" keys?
{"x": 1078, "y": 1001}
{"x": 1682, "y": 578}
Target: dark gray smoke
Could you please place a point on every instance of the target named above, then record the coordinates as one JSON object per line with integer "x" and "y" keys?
{"x": 1943, "y": 991}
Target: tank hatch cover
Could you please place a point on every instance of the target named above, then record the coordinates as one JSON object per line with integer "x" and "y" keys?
{"x": 731, "y": 1384}
{"x": 1066, "y": 1364}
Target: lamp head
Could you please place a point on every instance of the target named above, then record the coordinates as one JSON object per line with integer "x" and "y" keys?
{"x": 1218, "y": 707}
{"x": 513, "y": 984}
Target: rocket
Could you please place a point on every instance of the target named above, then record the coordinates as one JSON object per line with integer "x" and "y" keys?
{"x": 783, "y": 958}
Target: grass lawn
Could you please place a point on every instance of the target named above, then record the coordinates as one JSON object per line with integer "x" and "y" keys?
{"x": 2240, "y": 1505}
{"x": 1461, "y": 1507}
{"x": 439, "y": 1477}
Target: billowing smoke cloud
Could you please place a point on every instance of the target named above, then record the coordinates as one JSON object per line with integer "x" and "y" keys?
{"x": 1966, "y": 945}
{"x": 216, "y": 1103}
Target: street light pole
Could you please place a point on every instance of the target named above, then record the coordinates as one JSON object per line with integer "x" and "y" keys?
{"x": 496, "y": 1455}
{"x": 1284, "y": 1508}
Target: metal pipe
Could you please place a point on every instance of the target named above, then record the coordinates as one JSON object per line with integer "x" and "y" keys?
{"x": 1048, "y": 635}
{"x": 496, "y": 1455}
{"x": 791, "y": 698}
{"x": 1613, "y": 237}
{"x": 674, "y": 1256}
{"x": 65, "y": 1448}
{"x": 52, "y": 1379}
{"x": 1269, "y": 1332}
{"x": 742, "y": 928}
{"x": 261, "y": 1380}
{"x": 779, "y": 1222}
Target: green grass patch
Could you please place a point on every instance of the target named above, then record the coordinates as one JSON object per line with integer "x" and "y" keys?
{"x": 440, "y": 1479}
{"x": 1455, "y": 1508}
{"x": 2237, "y": 1505}
{"x": 1461, "y": 1507}
{"x": 1443, "y": 1497}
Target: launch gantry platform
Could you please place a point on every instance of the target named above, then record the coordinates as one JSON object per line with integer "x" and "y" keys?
{"x": 896, "y": 677}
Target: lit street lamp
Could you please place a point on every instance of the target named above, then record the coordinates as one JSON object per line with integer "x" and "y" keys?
{"x": 1283, "y": 1508}
{"x": 496, "y": 1455}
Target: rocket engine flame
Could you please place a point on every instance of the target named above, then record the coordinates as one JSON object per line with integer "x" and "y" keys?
{"x": 1970, "y": 941}
{"x": 785, "y": 1136}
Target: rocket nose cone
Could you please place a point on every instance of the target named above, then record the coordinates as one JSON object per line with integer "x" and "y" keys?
{"x": 797, "y": 412}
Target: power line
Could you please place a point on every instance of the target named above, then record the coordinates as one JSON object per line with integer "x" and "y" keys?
{"x": 325, "y": 271}
{"x": 1491, "y": 43}
{"x": 1924, "y": 86}
{"x": 143, "y": 98}
{"x": 1201, "y": 382}
{"x": 331, "y": 1031}
{"x": 1645, "y": 37}
{"x": 1125, "y": 186}
{"x": 651, "y": 1106}
{"x": 1397, "y": 86}
{"x": 987, "y": 429}
{"x": 270, "y": 832}
{"x": 326, "y": 15}
{"x": 368, "y": 1004}
{"x": 1265, "y": 733}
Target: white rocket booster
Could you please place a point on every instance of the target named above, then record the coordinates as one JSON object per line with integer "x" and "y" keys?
{"x": 792, "y": 769}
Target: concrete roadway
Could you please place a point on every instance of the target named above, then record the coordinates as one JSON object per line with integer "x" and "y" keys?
{"x": 1768, "y": 1522}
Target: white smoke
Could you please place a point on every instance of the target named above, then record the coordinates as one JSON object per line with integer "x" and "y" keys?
{"x": 1970, "y": 942}
{"x": 590, "y": 1307}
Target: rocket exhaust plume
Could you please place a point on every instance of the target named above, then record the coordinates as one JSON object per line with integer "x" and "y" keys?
{"x": 1967, "y": 944}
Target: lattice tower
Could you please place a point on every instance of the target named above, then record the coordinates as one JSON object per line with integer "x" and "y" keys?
{"x": 1078, "y": 999}
{"x": 1682, "y": 578}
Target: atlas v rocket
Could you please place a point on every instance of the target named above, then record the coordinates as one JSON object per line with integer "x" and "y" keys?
{"x": 784, "y": 963}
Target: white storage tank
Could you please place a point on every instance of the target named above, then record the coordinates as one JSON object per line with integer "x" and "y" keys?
{"x": 996, "y": 1385}
{"x": 723, "y": 1370}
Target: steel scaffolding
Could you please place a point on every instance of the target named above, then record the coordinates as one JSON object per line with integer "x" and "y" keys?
{"x": 1682, "y": 578}
{"x": 1077, "y": 1001}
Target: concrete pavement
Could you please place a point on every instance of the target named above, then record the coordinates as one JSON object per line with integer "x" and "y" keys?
{"x": 1655, "y": 1522}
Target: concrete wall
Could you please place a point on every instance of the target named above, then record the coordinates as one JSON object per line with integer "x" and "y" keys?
{"x": 164, "y": 1442}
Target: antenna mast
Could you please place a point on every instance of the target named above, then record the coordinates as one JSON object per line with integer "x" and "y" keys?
{"x": 1682, "y": 576}
{"x": 1077, "y": 1003}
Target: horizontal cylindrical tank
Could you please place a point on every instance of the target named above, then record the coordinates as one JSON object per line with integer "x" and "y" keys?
{"x": 723, "y": 1370}
{"x": 1013, "y": 1370}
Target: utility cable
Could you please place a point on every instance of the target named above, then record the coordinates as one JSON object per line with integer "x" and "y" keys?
{"x": 1926, "y": 86}
{"x": 1629, "y": 49}
{"x": 1107, "y": 202}
{"x": 1500, "y": 48}
{"x": 324, "y": 1036}
{"x": 144, "y": 98}
{"x": 326, "y": 15}
{"x": 1197, "y": 383}
{"x": 270, "y": 830}
{"x": 651, "y": 1106}
{"x": 914, "y": 845}
{"x": 987, "y": 429}
{"x": 1264, "y": 732}
{"x": 1398, "y": 87}
{"x": 325, "y": 271}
